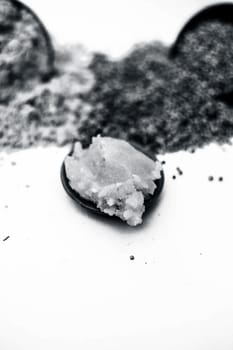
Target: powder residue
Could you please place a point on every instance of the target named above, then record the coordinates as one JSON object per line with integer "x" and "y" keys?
{"x": 49, "y": 112}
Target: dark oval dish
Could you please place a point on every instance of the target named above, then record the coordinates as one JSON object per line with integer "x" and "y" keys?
{"x": 149, "y": 201}
{"x": 222, "y": 12}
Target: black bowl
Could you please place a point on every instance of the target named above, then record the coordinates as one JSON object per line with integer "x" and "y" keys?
{"x": 149, "y": 201}
{"x": 18, "y": 6}
{"x": 222, "y": 12}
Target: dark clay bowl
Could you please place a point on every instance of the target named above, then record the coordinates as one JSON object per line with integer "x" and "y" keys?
{"x": 18, "y": 6}
{"x": 222, "y": 12}
{"x": 149, "y": 201}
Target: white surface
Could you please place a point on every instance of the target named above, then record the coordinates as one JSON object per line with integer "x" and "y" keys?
{"x": 66, "y": 278}
{"x": 114, "y": 26}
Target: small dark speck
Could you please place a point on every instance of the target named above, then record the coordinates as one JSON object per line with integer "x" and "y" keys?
{"x": 180, "y": 172}
{"x": 220, "y": 179}
{"x": 192, "y": 151}
{"x": 27, "y": 186}
{"x": 200, "y": 253}
{"x": 6, "y": 238}
{"x": 163, "y": 162}
{"x": 132, "y": 257}
{"x": 145, "y": 262}
{"x": 13, "y": 163}
{"x": 6, "y": 206}
{"x": 210, "y": 178}
{"x": 174, "y": 177}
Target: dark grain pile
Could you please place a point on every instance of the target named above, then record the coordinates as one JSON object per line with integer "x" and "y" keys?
{"x": 166, "y": 104}
{"x": 207, "y": 51}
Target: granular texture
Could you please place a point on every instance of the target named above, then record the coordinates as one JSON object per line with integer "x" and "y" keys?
{"x": 49, "y": 112}
{"x": 207, "y": 51}
{"x": 159, "y": 102}
{"x": 26, "y": 54}
{"x": 124, "y": 102}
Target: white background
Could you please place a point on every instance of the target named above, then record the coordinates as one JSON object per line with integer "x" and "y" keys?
{"x": 66, "y": 280}
{"x": 113, "y": 26}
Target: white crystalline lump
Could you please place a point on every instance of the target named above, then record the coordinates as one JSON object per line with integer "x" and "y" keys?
{"x": 114, "y": 175}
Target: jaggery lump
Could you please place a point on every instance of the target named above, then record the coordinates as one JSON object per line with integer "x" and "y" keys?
{"x": 114, "y": 175}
